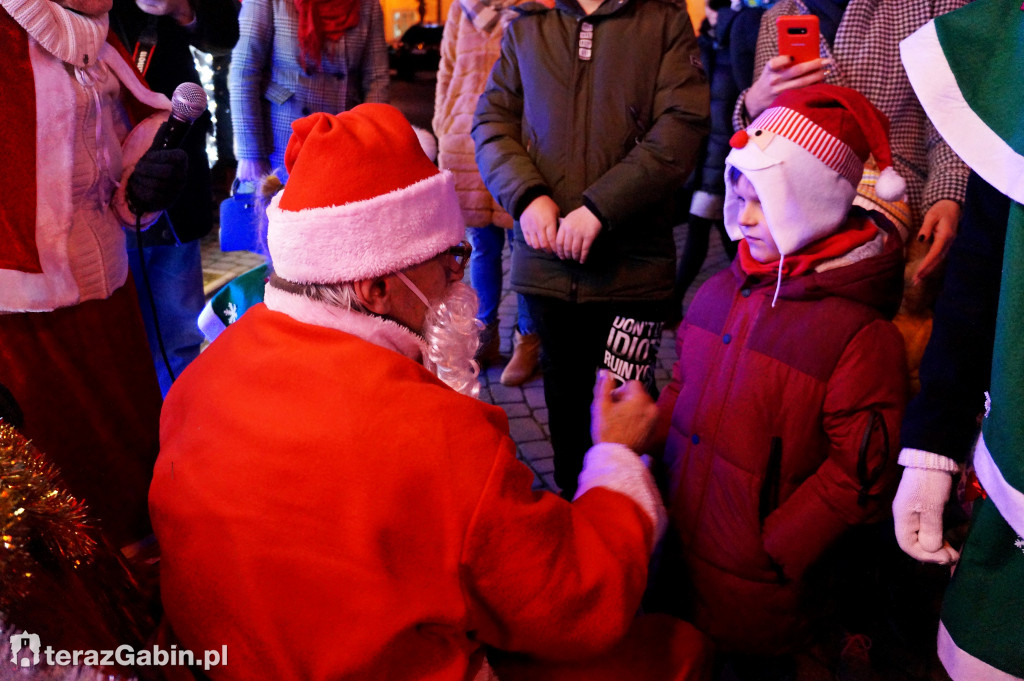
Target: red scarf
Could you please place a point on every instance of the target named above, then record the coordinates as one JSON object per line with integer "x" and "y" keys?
{"x": 856, "y": 232}
{"x": 320, "y": 21}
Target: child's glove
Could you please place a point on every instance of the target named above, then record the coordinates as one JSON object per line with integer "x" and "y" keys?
{"x": 158, "y": 179}
{"x": 917, "y": 512}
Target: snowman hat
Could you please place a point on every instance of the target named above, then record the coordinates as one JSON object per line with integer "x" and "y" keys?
{"x": 805, "y": 156}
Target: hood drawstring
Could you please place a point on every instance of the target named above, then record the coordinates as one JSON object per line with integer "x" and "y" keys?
{"x": 778, "y": 284}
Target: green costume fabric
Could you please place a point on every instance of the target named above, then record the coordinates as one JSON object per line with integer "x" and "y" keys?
{"x": 966, "y": 69}
{"x": 233, "y": 299}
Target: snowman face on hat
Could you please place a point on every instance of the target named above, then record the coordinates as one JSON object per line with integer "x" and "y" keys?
{"x": 759, "y": 136}
{"x": 802, "y": 199}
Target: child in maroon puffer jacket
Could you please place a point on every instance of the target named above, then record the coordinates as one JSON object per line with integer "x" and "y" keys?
{"x": 780, "y": 426}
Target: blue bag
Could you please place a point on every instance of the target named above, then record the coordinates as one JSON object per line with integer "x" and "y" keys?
{"x": 240, "y": 219}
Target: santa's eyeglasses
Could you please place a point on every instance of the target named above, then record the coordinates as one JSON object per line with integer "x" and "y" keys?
{"x": 456, "y": 258}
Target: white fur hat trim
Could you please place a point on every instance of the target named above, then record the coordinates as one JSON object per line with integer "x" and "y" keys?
{"x": 365, "y": 239}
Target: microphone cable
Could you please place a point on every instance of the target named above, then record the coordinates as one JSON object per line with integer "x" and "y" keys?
{"x": 149, "y": 296}
{"x": 188, "y": 102}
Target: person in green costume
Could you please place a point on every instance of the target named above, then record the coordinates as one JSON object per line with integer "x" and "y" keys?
{"x": 973, "y": 101}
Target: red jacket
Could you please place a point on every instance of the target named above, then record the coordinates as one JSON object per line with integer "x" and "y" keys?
{"x": 328, "y": 509}
{"x": 784, "y": 433}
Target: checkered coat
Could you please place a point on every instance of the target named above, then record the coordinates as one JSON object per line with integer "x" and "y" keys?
{"x": 866, "y": 57}
{"x": 270, "y": 89}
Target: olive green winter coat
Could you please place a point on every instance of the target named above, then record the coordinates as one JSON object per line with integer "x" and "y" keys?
{"x": 607, "y": 110}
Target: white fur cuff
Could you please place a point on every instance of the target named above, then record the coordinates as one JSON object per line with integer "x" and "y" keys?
{"x": 618, "y": 468}
{"x": 919, "y": 458}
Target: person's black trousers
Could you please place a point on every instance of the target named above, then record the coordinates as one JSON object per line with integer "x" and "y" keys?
{"x": 576, "y": 340}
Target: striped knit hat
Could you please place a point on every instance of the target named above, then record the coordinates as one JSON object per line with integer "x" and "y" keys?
{"x": 805, "y": 155}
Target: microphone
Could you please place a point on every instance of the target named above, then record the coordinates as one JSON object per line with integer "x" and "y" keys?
{"x": 158, "y": 178}
{"x": 187, "y": 104}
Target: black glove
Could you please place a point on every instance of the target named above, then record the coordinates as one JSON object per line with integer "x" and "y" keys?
{"x": 158, "y": 178}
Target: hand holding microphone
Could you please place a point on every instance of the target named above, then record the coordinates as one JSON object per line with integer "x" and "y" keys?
{"x": 160, "y": 174}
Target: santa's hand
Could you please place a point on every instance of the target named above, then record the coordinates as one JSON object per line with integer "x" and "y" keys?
{"x": 917, "y": 512}
{"x": 624, "y": 415}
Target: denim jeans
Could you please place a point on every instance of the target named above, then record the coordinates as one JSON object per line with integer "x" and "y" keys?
{"x": 176, "y": 276}
{"x": 485, "y": 275}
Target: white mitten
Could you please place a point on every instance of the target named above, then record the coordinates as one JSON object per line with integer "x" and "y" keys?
{"x": 917, "y": 512}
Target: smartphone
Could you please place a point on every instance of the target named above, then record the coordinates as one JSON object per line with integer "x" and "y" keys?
{"x": 798, "y": 36}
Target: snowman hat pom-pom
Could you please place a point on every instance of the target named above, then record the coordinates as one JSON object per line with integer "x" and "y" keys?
{"x": 890, "y": 186}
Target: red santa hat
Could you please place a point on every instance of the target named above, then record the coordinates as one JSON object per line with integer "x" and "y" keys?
{"x": 805, "y": 155}
{"x": 362, "y": 199}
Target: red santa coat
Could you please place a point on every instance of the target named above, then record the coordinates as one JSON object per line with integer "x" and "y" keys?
{"x": 328, "y": 509}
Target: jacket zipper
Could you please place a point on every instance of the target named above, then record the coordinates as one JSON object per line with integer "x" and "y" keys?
{"x": 640, "y": 128}
{"x": 578, "y": 118}
{"x": 770, "y": 495}
{"x": 772, "y": 476}
{"x": 584, "y": 53}
{"x": 868, "y": 478}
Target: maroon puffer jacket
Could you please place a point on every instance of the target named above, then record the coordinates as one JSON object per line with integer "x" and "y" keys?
{"x": 784, "y": 433}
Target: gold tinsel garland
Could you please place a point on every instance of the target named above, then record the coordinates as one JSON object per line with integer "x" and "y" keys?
{"x": 35, "y": 512}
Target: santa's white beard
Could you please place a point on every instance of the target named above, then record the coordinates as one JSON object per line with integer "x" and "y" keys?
{"x": 452, "y": 333}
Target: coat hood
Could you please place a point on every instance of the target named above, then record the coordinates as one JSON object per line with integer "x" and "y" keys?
{"x": 874, "y": 280}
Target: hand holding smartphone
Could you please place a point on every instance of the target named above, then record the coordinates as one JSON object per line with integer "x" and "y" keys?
{"x": 799, "y": 36}
{"x": 798, "y": 63}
